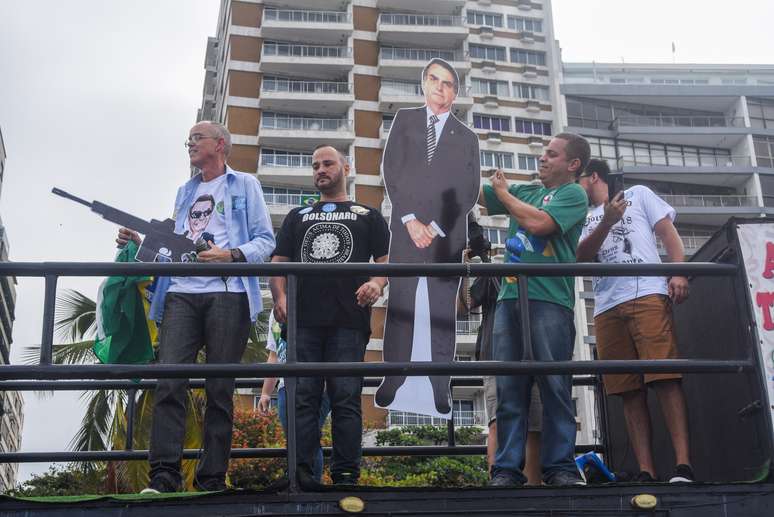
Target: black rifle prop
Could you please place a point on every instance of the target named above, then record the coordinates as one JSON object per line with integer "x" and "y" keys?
{"x": 161, "y": 243}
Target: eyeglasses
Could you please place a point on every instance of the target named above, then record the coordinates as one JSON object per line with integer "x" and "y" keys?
{"x": 198, "y": 214}
{"x": 194, "y": 139}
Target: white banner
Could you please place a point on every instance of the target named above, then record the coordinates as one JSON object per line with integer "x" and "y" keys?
{"x": 757, "y": 245}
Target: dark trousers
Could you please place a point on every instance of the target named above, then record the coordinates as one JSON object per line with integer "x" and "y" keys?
{"x": 221, "y": 323}
{"x": 330, "y": 344}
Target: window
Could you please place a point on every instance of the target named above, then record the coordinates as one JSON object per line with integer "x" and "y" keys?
{"x": 525, "y": 24}
{"x": 603, "y": 148}
{"x": 496, "y": 235}
{"x": 529, "y": 162}
{"x": 761, "y": 113}
{"x": 532, "y": 127}
{"x": 649, "y": 153}
{"x": 277, "y": 158}
{"x": 287, "y": 196}
{"x": 764, "y": 151}
{"x": 733, "y": 81}
{"x": 496, "y": 160}
{"x": 528, "y": 57}
{"x": 487, "y": 52}
{"x": 530, "y": 91}
{"x": 483, "y": 18}
{"x": 491, "y": 123}
{"x": 489, "y": 87}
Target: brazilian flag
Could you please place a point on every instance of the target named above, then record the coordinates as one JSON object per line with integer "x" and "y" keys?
{"x": 309, "y": 200}
{"x": 125, "y": 335}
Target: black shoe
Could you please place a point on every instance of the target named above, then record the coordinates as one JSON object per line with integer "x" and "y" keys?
{"x": 385, "y": 393}
{"x": 644, "y": 477}
{"x": 345, "y": 478}
{"x": 566, "y": 478}
{"x": 161, "y": 485}
{"x": 306, "y": 480}
{"x": 210, "y": 485}
{"x": 683, "y": 474}
{"x": 506, "y": 479}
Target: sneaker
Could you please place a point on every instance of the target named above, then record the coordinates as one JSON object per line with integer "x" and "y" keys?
{"x": 345, "y": 478}
{"x": 682, "y": 474}
{"x": 566, "y": 478}
{"x": 506, "y": 479}
{"x": 160, "y": 485}
{"x": 644, "y": 477}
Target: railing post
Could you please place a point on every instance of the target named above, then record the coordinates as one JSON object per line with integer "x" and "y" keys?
{"x": 450, "y": 429}
{"x": 131, "y": 404}
{"x": 49, "y": 306}
{"x": 291, "y": 382}
{"x": 526, "y": 335}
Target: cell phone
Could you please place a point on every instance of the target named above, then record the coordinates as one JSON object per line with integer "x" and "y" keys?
{"x": 615, "y": 184}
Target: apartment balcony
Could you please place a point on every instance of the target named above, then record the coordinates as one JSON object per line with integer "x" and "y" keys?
{"x": 461, "y": 418}
{"x": 293, "y": 170}
{"x": 407, "y": 63}
{"x": 712, "y": 209}
{"x": 717, "y": 170}
{"x": 211, "y": 55}
{"x": 691, "y": 243}
{"x": 305, "y": 132}
{"x": 423, "y": 6}
{"x": 280, "y": 204}
{"x": 321, "y": 61}
{"x": 705, "y": 131}
{"x": 437, "y": 30}
{"x": 328, "y": 27}
{"x": 322, "y": 97}
{"x": 394, "y": 95}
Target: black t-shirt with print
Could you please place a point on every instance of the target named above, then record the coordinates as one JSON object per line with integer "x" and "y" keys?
{"x": 332, "y": 233}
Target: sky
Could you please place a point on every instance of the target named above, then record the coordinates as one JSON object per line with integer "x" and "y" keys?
{"x": 96, "y": 98}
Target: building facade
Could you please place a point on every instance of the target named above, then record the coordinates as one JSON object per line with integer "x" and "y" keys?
{"x": 287, "y": 75}
{"x": 11, "y": 402}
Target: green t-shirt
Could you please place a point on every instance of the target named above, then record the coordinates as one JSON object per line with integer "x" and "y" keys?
{"x": 568, "y": 205}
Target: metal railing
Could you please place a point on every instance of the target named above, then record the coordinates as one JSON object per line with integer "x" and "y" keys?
{"x": 287, "y": 160}
{"x": 461, "y": 418}
{"x": 306, "y": 123}
{"x": 297, "y": 86}
{"x": 115, "y": 376}
{"x": 713, "y": 201}
{"x": 468, "y": 327}
{"x": 314, "y": 51}
{"x": 302, "y": 16}
{"x": 285, "y": 199}
{"x": 424, "y": 20}
{"x": 386, "y": 125}
{"x": 685, "y": 160}
{"x": 420, "y": 54}
{"x": 678, "y": 121}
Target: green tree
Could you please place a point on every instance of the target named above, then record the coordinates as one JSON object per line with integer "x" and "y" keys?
{"x": 62, "y": 480}
{"x": 104, "y": 423}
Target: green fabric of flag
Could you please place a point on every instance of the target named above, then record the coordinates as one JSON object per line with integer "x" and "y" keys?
{"x": 123, "y": 336}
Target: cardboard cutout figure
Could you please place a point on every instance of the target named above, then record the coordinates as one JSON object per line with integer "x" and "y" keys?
{"x": 432, "y": 174}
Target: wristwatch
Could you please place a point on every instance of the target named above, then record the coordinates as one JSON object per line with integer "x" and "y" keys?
{"x": 236, "y": 255}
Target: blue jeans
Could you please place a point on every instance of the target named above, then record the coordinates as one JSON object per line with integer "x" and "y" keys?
{"x": 325, "y": 408}
{"x": 330, "y": 344}
{"x": 553, "y": 337}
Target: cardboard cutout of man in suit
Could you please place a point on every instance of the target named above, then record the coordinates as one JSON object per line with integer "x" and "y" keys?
{"x": 432, "y": 175}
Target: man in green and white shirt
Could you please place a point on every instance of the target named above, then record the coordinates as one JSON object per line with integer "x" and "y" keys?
{"x": 546, "y": 221}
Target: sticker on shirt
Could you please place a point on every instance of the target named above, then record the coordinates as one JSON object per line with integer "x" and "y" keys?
{"x": 327, "y": 242}
{"x": 305, "y": 210}
{"x": 237, "y": 203}
{"x": 219, "y": 208}
{"x": 359, "y": 210}
{"x": 547, "y": 198}
{"x": 329, "y": 207}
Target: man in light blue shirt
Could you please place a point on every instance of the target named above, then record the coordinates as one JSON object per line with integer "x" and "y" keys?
{"x": 227, "y": 208}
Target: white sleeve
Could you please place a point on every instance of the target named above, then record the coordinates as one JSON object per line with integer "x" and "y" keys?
{"x": 654, "y": 207}
{"x": 271, "y": 342}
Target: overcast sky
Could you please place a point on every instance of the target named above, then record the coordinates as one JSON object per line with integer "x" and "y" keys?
{"x": 96, "y": 97}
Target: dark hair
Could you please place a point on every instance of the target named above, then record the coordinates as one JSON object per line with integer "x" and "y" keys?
{"x": 205, "y": 197}
{"x": 577, "y": 147}
{"x": 600, "y": 167}
{"x": 440, "y": 62}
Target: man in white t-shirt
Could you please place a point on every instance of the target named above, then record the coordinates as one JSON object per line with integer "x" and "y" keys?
{"x": 633, "y": 315}
{"x": 227, "y": 209}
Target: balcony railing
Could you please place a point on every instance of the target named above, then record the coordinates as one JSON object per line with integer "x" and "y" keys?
{"x": 315, "y": 87}
{"x": 301, "y": 16}
{"x": 709, "y": 201}
{"x": 461, "y": 418}
{"x": 295, "y": 161}
{"x": 306, "y": 124}
{"x": 316, "y": 51}
{"x": 718, "y": 161}
{"x": 468, "y": 327}
{"x": 425, "y": 20}
{"x": 420, "y": 54}
{"x": 273, "y": 199}
{"x": 679, "y": 121}
{"x": 386, "y": 125}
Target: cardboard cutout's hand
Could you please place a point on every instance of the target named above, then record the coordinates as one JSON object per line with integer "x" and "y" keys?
{"x": 368, "y": 293}
{"x": 421, "y": 234}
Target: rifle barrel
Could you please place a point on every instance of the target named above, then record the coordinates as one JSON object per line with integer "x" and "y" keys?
{"x": 71, "y": 197}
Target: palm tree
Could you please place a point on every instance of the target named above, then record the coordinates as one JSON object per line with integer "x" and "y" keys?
{"x": 104, "y": 424}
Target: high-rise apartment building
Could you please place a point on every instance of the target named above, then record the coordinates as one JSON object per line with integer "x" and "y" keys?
{"x": 287, "y": 75}
{"x": 11, "y": 402}
{"x": 699, "y": 136}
